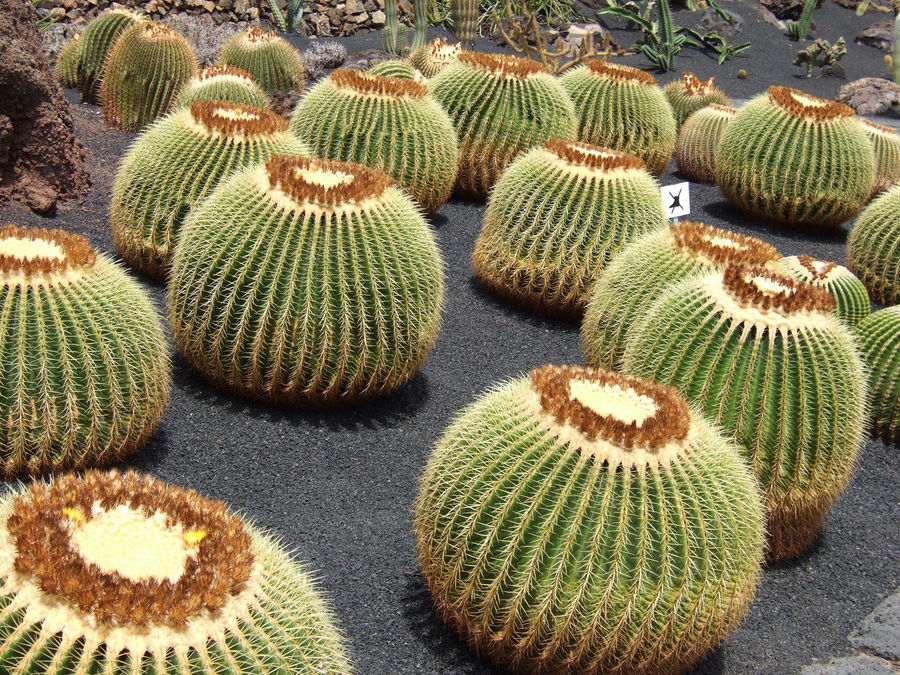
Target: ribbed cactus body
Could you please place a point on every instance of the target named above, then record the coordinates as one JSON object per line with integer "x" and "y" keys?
{"x": 763, "y": 356}
{"x": 636, "y": 276}
{"x": 222, "y": 83}
{"x": 464, "y": 14}
{"x": 556, "y": 536}
{"x": 501, "y": 105}
{"x": 698, "y": 140}
{"x": 306, "y": 281}
{"x": 622, "y": 108}
{"x": 208, "y": 594}
{"x": 555, "y": 219}
{"x": 272, "y": 62}
{"x": 396, "y": 68}
{"x": 177, "y": 163}
{"x": 690, "y": 94}
{"x": 879, "y": 340}
{"x": 432, "y": 57}
{"x": 851, "y": 299}
{"x": 873, "y": 247}
{"x": 796, "y": 159}
{"x": 886, "y": 144}
{"x": 67, "y": 62}
{"x": 85, "y": 376}
{"x": 96, "y": 44}
{"x": 147, "y": 67}
{"x": 386, "y": 123}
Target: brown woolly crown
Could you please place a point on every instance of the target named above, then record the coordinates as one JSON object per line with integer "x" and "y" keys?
{"x": 440, "y": 50}
{"x": 364, "y": 83}
{"x": 818, "y": 109}
{"x": 878, "y": 127}
{"x": 237, "y": 119}
{"x": 76, "y": 252}
{"x": 619, "y": 71}
{"x": 44, "y": 520}
{"x": 592, "y": 156}
{"x": 296, "y": 177}
{"x": 220, "y": 69}
{"x": 727, "y": 109}
{"x": 816, "y": 271}
{"x": 704, "y": 240}
{"x": 670, "y": 422}
{"x": 257, "y": 35}
{"x": 160, "y": 31}
{"x": 501, "y": 64}
{"x": 747, "y": 285}
{"x": 694, "y": 86}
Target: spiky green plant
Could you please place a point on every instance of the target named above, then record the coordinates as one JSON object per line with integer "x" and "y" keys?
{"x": 555, "y": 219}
{"x": 464, "y": 15}
{"x": 500, "y": 105}
{"x": 635, "y": 277}
{"x": 85, "y": 376}
{"x": 123, "y": 573}
{"x": 879, "y": 340}
{"x": 852, "y": 302}
{"x": 396, "y": 68}
{"x": 764, "y": 356}
{"x": 147, "y": 67}
{"x": 873, "y": 247}
{"x": 583, "y": 521}
{"x": 432, "y": 57}
{"x": 886, "y": 144}
{"x": 67, "y": 62}
{"x": 393, "y": 35}
{"x": 690, "y": 94}
{"x": 177, "y": 163}
{"x": 96, "y": 44}
{"x": 695, "y": 149}
{"x": 306, "y": 282}
{"x": 796, "y": 159}
{"x": 222, "y": 83}
{"x": 271, "y": 61}
{"x": 385, "y": 123}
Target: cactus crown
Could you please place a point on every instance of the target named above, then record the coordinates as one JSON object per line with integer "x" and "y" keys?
{"x": 807, "y": 106}
{"x": 378, "y": 86}
{"x": 257, "y": 37}
{"x": 442, "y": 52}
{"x": 233, "y": 119}
{"x": 26, "y": 253}
{"x": 502, "y": 65}
{"x": 221, "y": 70}
{"x": 585, "y": 155}
{"x": 720, "y": 247}
{"x": 814, "y": 271}
{"x": 159, "y": 31}
{"x": 324, "y": 183}
{"x": 608, "y": 70}
{"x": 694, "y": 86}
{"x": 878, "y": 129}
{"x": 761, "y": 289}
{"x": 726, "y": 110}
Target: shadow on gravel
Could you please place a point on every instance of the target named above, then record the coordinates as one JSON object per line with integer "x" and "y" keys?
{"x": 512, "y": 311}
{"x": 814, "y": 550}
{"x": 722, "y": 210}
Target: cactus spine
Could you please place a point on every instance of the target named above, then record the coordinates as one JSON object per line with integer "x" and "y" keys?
{"x": 208, "y": 594}
{"x": 270, "y": 60}
{"x": 873, "y": 247}
{"x": 698, "y": 140}
{"x": 67, "y": 62}
{"x": 584, "y": 521}
{"x": 852, "y": 303}
{"x": 464, "y": 14}
{"x": 222, "y": 83}
{"x": 879, "y": 341}
{"x": 96, "y": 44}
{"x": 886, "y": 144}
{"x": 690, "y": 94}
{"x": 433, "y": 57}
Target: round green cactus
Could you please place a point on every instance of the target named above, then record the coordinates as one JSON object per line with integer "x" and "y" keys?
{"x": 501, "y": 105}
{"x": 386, "y": 123}
{"x": 636, "y": 276}
{"x": 852, "y": 302}
{"x": 96, "y": 44}
{"x": 432, "y": 57}
{"x": 873, "y": 247}
{"x": 306, "y": 282}
{"x": 886, "y": 144}
{"x": 85, "y": 375}
{"x": 584, "y": 521}
{"x": 792, "y": 158}
{"x": 177, "y": 163}
{"x": 222, "y": 83}
{"x": 879, "y": 340}
{"x": 556, "y": 217}
{"x": 621, "y": 107}
{"x": 396, "y": 68}
{"x": 67, "y": 62}
{"x": 270, "y": 60}
{"x": 690, "y": 94}
{"x": 147, "y": 67}
{"x": 698, "y": 139}
{"x": 763, "y": 356}
{"x": 123, "y": 573}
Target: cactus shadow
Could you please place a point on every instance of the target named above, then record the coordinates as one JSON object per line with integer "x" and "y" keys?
{"x": 816, "y": 548}
{"x": 723, "y": 211}
{"x": 152, "y": 454}
{"x": 515, "y": 312}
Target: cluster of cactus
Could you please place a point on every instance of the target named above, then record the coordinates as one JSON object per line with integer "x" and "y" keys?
{"x": 873, "y": 247}
{"x": 878, "y": 336}
{"x": 96, "y": 43}
{"x": 886, "y": 145}
{"x": 796, "y": 159}
{"x": 306, "y": 282}
{"x": 622, "y": 108}
{"x": 581, "y": 520}
{"x": 556, "y": 217}
{"x": 851, "y": 300}
{"x": 67, "y": 62}
{"x": 271, "y": 61}
{"x": 176, "y": 164}
{"x": 690, "y": 94}
{"x": 145, "y": 71}
{"x": 396, "y": 68}
{"x": 394, "y": 36}
{"x": 209, "y": 594}
{"x": 222, "y": 83}
{"x": 501, "y": 105}
{"x": 698, "y": 140}
{"x": 432, "y": 57}
{"x": 85, "y": 376}
{"x": 764, "y": 356}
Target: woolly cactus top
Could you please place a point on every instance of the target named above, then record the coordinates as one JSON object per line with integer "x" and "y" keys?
{"x": 219, "y": 71}
{"x": 502, "y": 65}
{"x": 236, "y": 120}
{"x": 439, "y": 52}
{"x": 257, "y": 37}
{"x": 875, "y": 129}
{"x": 807, "y": 106}
{"x": 160, "y": 31}
{"x": 377, "y": 86}
{"x": 724, "y": 110}
{"x": 694, "y": 86}
{"x": 34, "y": 256}
{"x": 718, "y": 248}
{"x": 592, "y": 158}
{"x": 303, "y": 182}
{"x": 814, "y": 271}
{"x": 608, "y": 70}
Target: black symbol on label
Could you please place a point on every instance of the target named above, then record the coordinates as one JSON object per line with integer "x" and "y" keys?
{"x": 676, "y": 200}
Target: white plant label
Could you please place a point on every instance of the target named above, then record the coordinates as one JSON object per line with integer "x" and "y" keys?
{"x": 676, "y": 199}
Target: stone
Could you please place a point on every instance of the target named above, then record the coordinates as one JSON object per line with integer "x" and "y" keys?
{"x": 354, "y": 7}
{"x": 241, "y": 6}
{"x": 871, "y": 96}
{"x": 879, "y": 35}
{"x": 850, "y": 665}
{"x": 874, "y": 6}
{"x": 378, "y": 18}
{"x": 367, "y": 58}
{"x": 786, "y": 9}
{"x": 879, "y": 633}
{"x": 711, "y": 22}
{"x": 770, "y": 18}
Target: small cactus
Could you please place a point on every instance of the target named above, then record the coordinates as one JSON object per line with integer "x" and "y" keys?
{"x": 270, "y": 60}
{"x": 555, "y": 219}
{"x": 67, "y": 62}
{"x": 222, "y": 83}
{"x": 622, "y": 108}
{"x": 763, "y": 356}
{"x": 886, "y": 144}
{"x": 873, "y": 247}
{"x": 396, "y": 68}
{"x": 698, "y": 140}
{"x": 85, "y": 375}
{"x": 879, "y": 340}
{"x": 306, "y": 282}
{"x": 583, "y": 521}
{"x": 96, "y": 44}
{"x": 464, "y": 14}
{"x": 176, "y": 164}
{"x": 852, "y": 302}
{"x": 432, "y": 57}
{"x": 690, "y": 94}
{"x": 123, "y": 573}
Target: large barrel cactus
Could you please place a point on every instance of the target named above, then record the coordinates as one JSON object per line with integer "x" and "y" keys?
{"x": 123, "y": 573}
{"x": 85, "y": 375}
{"x": 886, "y": 144}
{"x": 879, "y": 341}
{"x": 176, "y": 164}
{"x": 698, "y": 141}
{"x": 873, "y": 247}
{"x": 582, "y": 521}
{"x": 690, "y": 94}
{"x": 501, "y": 105}
{"x": 555, "y": 219}
{"x": 67, "y": 62}
{"x": 852, "y": 302}
{"x": 795, "y": 159}
{"x": 96, "y": 43}
{"x": 637, "y": 275}
{"x": 432, "y": 57}
{"x": 306, "y": 282}
{"x": 396, "y": 68}
{"x": 763, "y": 355}
{"x": 272, "y": 62}
{"x": 386, "y": 123}
{"x": 222, "y": 83}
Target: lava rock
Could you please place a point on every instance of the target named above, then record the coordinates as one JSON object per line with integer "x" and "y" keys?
{"x": 786, "y": 9}
{"x": 711, "y": 22}
{"x": 879, "y": 35}
{"x": 871, "y": 96}
{"x": 850, "y": 665}
{"x": 879, "y": 633}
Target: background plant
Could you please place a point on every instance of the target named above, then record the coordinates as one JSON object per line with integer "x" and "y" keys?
{"x": 799, "y": 29}
{"x": 288, "y": 21}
